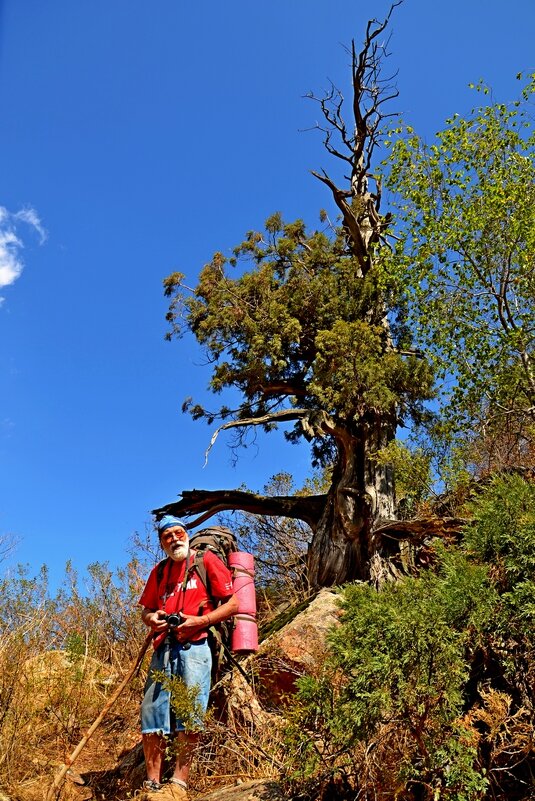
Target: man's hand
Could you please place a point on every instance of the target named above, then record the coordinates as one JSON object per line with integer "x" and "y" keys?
{"x": 191, "y": 624}
{"x": 155, "y": 620}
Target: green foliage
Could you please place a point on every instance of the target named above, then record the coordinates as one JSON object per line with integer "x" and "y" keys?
{"x": 413, "y": 472}
{"x": 184, "y": 700}
{"x": 400, "y": 660}
{"x": 428, "y": 684}
{"x": 503, "y": 533}
{"x": 75, "y": 645}
{"x": 465, "y": 214}
{"x": 304, "y": 323}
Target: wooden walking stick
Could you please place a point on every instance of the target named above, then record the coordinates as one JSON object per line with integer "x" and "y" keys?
{"x": 58, "y": 779}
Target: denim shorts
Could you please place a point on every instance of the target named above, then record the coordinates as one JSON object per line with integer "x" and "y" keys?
{"x": 193, "y": 665}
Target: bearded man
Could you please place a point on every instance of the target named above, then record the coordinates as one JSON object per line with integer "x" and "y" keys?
{"x": 179, "y": 610}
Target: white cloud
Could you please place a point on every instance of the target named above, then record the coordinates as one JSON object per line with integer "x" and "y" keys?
{"x": 11, "y": 263}
{"x": 31, "y": 217}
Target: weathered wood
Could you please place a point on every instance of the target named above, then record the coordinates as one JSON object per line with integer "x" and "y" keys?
{"x": 422, "y": 527}
{"x": 210, "y": 502}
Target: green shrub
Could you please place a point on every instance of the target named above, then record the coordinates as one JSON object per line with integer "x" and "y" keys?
{"x": 428, "y": 689}
{"x": 503, "y": 534}
{"x": 394, "y": 680}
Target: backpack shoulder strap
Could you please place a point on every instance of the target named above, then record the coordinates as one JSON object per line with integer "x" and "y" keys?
{"x": 200, "y": 567}
{"x": 160, "y": 569}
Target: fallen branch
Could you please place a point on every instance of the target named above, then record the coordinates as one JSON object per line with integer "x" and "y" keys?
{"x": 58, "y": 779}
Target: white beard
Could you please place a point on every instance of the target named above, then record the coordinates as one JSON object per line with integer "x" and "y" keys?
{"x": 177, "y": 551}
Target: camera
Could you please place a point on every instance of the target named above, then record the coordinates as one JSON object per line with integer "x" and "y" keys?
{"x": 173, "y": 620}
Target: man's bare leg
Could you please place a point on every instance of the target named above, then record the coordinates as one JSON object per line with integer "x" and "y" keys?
{"x": 154, "y": 751}
{"x": 185, "y": 748}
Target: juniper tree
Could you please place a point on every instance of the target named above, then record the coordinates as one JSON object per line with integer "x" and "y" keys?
{"x": 308, "y": 326}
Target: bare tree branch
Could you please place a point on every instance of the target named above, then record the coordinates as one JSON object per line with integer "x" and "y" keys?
{"x": 358, "y": 205}
{"x": 358, "y": 245}
{"x": 273, "y": 417}
{"x": 210, "y": 502}
{"x": 286, "y": 388}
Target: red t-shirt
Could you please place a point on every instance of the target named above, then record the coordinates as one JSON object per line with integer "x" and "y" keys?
{"x": 194, "y": 600}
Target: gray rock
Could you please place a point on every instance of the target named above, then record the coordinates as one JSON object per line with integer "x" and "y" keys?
{"x": 257, "y": 790}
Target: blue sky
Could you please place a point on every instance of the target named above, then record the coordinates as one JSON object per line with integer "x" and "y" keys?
{"x": 136, "y": 138}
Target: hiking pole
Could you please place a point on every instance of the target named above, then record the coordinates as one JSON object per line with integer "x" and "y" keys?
{"x": 98, "y": 720}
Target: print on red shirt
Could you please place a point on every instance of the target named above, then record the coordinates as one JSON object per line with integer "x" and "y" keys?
{"x": 194, "y": 600}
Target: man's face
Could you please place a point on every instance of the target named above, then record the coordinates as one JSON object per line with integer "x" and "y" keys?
{"x": 174, "y": 541}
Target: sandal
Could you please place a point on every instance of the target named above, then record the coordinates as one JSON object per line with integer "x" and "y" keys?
{"x": 151, "y": 786}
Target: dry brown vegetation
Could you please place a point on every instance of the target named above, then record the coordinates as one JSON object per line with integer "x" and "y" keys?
{"x": 61, "y": 659}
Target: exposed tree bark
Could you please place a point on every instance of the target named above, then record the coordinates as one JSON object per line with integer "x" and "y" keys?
{"x": 207, "y": 503}
{"x": 344, "y": 546}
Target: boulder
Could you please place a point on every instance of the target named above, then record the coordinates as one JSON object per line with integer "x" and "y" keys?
{"x": 296, "y": 649}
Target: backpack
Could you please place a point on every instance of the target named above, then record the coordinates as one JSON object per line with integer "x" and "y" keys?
{"x": 221, "y": 541}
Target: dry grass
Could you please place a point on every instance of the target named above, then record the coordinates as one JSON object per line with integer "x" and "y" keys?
{"x": 62, "y": 658}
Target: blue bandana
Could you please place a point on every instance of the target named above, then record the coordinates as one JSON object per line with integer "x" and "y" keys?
{"x": 168, "y": 521}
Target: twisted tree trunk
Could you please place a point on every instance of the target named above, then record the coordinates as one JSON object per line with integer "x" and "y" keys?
{"x": 343, "y": 547}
